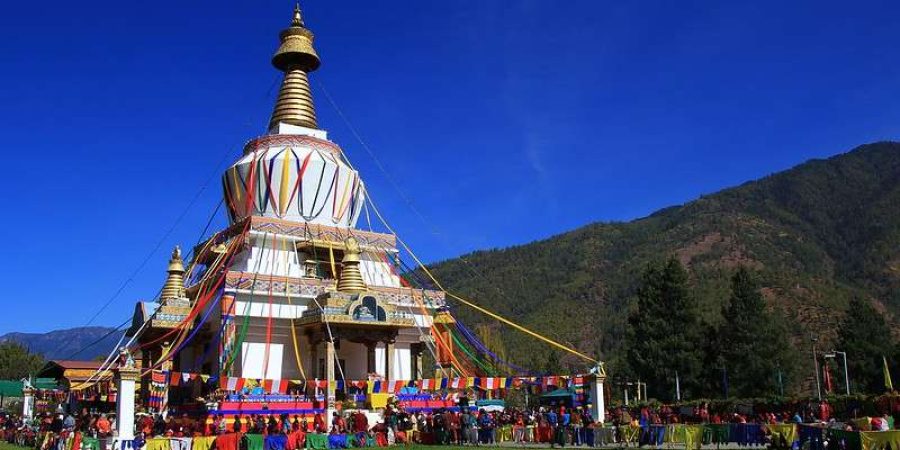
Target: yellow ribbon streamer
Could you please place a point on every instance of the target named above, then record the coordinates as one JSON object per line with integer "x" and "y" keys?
{"x": 474, "y": 306}
{"x": 293, "y": 327}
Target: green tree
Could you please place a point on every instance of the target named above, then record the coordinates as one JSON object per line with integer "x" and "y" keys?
{"x": 494, "y": 342}
{"x": 663, "y": 335}
{"x": 748, "y": 340}
{"x": 552, "y": 365}
{"x": 16, "y": 362}
{"x": 865, "y": 336}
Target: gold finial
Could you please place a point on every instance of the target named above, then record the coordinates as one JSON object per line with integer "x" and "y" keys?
{"x": 444, "y": 317}
{"x": 351, "y": 278}
{"x": 174, "y": 286}
{"x": 296, "y": 57}
{"x": 298, "y": 18}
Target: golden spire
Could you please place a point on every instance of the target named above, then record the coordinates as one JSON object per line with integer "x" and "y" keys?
{"x": 351, "y": 278}
{"x": 444, "y": 317}
{"x": 174, "y": 287}
{"x": 296, "y": 57}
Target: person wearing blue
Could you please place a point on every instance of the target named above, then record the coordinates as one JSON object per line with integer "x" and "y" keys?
{"x": 552, "y": 420}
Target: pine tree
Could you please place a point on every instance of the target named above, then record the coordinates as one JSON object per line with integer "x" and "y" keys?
{"x": 552, "y": 364}
{"x": 16, "y": 362}
{"x": 663, "y": 335}
{"x": 748, "y": 340}
{"x": 865, "y": 336}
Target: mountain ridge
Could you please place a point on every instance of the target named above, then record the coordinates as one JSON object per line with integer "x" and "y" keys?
{"x": 71, "y": 343}
{"x": 816, "y": 234}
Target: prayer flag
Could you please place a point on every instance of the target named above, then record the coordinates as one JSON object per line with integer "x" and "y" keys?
{"x": 456, "y": 384}
{"x": 233, "y": 384}
{"x": 444, "y": 383}
{"x": 470, "y": 382}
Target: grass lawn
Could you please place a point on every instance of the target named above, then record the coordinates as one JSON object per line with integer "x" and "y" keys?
{"x": 5, "y": 446}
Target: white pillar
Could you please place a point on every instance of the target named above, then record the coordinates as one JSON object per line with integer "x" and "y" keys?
{"x": 125, "y": 379}
{"x": 598, "y": 405}
{"x": 329, "y": 389}
{"x": 28, "y": 403}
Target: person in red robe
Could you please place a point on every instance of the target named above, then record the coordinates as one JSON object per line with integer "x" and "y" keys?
{"x": 318, "y": 423}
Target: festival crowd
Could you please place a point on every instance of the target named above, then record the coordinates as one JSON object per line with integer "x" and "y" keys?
{"x": 553, "y": 426}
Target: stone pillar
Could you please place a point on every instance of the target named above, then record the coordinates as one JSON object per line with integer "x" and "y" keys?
{"x": 370, "y": 358}
{"x": 166, "y": 367}
{"x": 314, "y": 356}
{"x": 598, "y": 403}
{"x": 125, "y": 379}
{"x": 28, "y": 403}
{"x": 329, "y": 377}
{"x": 415, "y": 353}
{"x": 389, "y": 360}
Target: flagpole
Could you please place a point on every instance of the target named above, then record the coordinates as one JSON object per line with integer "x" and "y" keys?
{"x": 816, "y": 364}
{"x": 677, "y": 387}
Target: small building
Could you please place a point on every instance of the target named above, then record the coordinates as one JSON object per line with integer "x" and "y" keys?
{"x": 67, "y": 377}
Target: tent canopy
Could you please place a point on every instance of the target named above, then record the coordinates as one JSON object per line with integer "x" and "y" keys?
{"x": 13, "y": 388}
{"x": 10, "y": 388}
{"x": 559, "y": 393}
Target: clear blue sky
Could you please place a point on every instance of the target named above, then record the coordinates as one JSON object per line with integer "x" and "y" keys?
{"x": 504, "y": 121}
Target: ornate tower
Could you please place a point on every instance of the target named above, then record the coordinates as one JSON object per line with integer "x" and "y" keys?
{"x": 174, "y": 286}
{"x": 296, "y": 57}
{"x": 306, "y": 294}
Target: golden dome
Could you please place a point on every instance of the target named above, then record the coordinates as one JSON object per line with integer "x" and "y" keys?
{"x": 351, "y": 279}
{"x": 174, "y": 286}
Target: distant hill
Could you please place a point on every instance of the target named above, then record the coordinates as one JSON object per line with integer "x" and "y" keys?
{"x": 63, "y": 344}
{"x": 817, "y": 234}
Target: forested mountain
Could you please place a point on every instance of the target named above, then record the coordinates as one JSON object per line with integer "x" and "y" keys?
{"x": 814, "y": 236}
{"x": 75, "y": 343}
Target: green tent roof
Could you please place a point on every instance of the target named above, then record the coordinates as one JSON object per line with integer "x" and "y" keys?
{"x": 13, "y": 388}
{"x": 45, "y": 383}
{"x": 10, "y": 388}
{"x": 490, "y": 402}
{"x": 559, "y": 393}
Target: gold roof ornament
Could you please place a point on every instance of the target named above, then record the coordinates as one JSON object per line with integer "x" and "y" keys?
{"x": 174, "y": 286}
{"x": 351, "y": 279}
{"x": 444, "y": 317}
{"x": 296, "y": 57}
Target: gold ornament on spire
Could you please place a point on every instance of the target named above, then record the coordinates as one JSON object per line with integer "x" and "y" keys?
{"x": 351, "y": 278}
{"x": 296, "y": 57}
{"x": 174, "y": 286}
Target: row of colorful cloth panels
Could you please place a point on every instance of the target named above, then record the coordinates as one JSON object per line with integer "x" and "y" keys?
{"x": 259, "y": 387}
{"x": 781, "y": 436}
{"x": 691, "y": 436}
